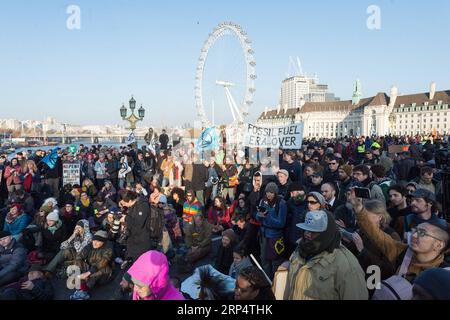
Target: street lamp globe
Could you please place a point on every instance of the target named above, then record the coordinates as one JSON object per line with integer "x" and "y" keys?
{"x": 141, "y": 112}
{"x": 123, "y": 111}
{"x": 132, "y": 103}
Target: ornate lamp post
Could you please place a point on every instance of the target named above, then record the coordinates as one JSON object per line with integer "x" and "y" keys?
{"x": 132, "y": 119}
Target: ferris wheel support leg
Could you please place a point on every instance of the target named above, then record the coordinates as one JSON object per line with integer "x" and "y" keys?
{"x": 233, "y": 105}
{"x": 230, "y": 102}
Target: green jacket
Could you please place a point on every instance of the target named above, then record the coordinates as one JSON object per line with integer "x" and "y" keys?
{"x": 198, "y": 237}
{"x": 327, "y": 276}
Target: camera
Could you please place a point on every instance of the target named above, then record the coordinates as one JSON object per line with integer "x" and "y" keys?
{"x": 261, "y": 209}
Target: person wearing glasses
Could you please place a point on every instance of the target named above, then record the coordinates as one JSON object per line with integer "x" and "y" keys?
{"x": 251, "y": 284}
{"x": 331, "y": 173}
{"x": 429, "y": 242}
{"x": 191, "y": 207}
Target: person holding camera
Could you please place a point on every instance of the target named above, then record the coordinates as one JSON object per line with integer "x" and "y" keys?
{"x": 272, "y": 212}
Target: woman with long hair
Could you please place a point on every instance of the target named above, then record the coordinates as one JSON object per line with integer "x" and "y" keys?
{"x": 13, "y": 176}
{"x": 219, "y": 215}
{"x": 32, "y": 178}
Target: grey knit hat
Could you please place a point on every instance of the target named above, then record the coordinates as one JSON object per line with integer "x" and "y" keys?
{"x": 272, "y": 188}
{"x": 318, "y": 197}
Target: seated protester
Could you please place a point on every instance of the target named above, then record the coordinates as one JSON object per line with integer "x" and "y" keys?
{"x": 71, "y": 248}
{"x": 31, "y": 235}
{"x": 85, "y": 208}
{"x": 316, "y": 182}
{"x": 89, "y": 188}
{"x": 154, "y": 196}
{"x": 398, "y": 207}
{"x": 426, "y": 249}
{"x": 296, "y": 211}
{"x": 66, "y": 195}
{"x": 432, "y": 284}
{"x": 328, "y": 190}
{"x": 191, "y": 207}
{"x": 150, "y": 277}
{"x": 27, "y": 202}
{"x": 13, "y": 259}
{"x": 52, "y": 203}
{"x": 34, "y": 287}
{"x": 69, "y": 216}
{"x": 423, "y": 204}
{"x": 198, "y": 240}
{"x": 52, "y": 236}
{"x": 109, "y": 191}
{"x": 365, "y": 249}
{"x": 125, "y": 293}
{"x": 16, "y": 221}
{"x": 176, "y": 199}
{"x": 332, "y": 271}
{"x": 242, "y": 208}
{"x": 171, "y": 221}
{"x": 242, "y": 229}
{"x": 96, "y": 261}
{"x": 283, "y": 184}
{"x": 113, "y": 226}
{"x": 361, "y": 174}
{"x": 140, "y": 190}
{"x": 102, "y": 206}
{"x": 219, "y": 215}
{"x": 251, "y": 284}
{"x": 241, "y": 260}
{"x": 224, "y": 257}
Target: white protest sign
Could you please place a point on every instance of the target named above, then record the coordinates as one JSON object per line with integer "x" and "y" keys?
{"x": 71, "y": 173}
{"x": 287, "y": 137}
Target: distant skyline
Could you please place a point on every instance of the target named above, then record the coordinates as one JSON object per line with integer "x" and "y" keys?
{"x": 150, "y": 50}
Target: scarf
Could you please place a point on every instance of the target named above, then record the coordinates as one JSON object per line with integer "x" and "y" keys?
{"x": 10, "y": 218}
{"x": 86, "y": 203}
{"x": 328, "y": 240}
{"x": 55, "y": 227}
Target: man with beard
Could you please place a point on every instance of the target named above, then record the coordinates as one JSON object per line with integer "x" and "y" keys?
{"x": 332, "y": 271}
{"x": 399, "y": 207}
{"x": 296, "y": 211}
{"x": 361, "y": 174}
{"x": 345, "y": 181}
{"x": 423, "y": 204}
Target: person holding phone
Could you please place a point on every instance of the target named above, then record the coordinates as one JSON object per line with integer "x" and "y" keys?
{"x": 361, "y": 174}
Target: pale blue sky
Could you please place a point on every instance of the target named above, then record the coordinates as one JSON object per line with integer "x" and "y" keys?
{"x": 150, "y": 49}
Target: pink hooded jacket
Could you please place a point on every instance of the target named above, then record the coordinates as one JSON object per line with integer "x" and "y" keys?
{"x": 152, "y": 269}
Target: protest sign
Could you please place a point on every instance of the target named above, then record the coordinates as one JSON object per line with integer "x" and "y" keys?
{"x": 71, "y": 173}
{"x": 398, "y": 148}
{"x": 287, "y": 137}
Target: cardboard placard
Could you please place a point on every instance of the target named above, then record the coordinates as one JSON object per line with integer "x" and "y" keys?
{"x": 398, "y": 148}
{"x": 71, "y": 173}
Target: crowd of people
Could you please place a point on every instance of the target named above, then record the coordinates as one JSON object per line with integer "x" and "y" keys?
{"x": 318, "y": 223}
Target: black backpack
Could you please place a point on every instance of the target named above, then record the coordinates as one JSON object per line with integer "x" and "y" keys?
{"x": 156, "y": 222}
